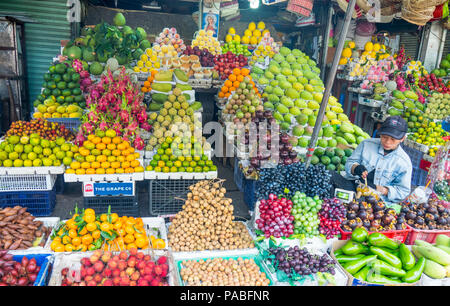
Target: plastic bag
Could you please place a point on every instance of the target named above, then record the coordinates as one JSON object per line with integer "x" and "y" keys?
{"x": 439, "y": 173}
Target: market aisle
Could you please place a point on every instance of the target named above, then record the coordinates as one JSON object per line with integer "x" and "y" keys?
{"x": 72, "y": 196}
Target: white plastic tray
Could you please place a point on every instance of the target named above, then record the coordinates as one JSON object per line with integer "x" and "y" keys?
{"x": 50, "y": 222}
{"x": 32, "y": 170}
{"x": 123, "y": 177}
{"x": 152, "y": 175}
{"x": 66, "y": 260}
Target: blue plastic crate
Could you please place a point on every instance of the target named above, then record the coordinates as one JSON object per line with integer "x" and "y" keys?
{"x": 42, "y": 260}
{"x": 446, "y": 125}
{"x": 250, "y": 188}
{"x": 419, "y": 177}
{"x": 415, "y": 156}
{"x": 38, "y": 203}
{"x": 238, "y": 176}
{"x": 70, "y": 123}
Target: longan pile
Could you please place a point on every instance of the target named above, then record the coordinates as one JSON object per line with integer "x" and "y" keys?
{"x": 206, "y": 221}
{"x": 223, "y": 272}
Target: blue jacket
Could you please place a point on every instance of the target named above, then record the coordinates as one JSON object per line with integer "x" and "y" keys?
{"x": 392, "y": 171}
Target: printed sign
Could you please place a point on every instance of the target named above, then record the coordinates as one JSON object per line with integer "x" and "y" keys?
{"x": 108, "y": 189}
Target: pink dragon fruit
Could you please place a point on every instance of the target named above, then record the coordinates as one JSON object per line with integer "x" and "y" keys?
{"x": 138, "y": 143}
{"x": 87, "y": 128}
{"x": 146, "y": 126}
{"x": 79, "y": 140}
{"x": 132, "y": 126}
{"x": 142, "y": 116}
{"x": 77, "y": 65}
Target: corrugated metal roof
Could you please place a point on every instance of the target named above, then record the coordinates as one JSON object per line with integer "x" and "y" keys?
{"x": 43, "y": 38}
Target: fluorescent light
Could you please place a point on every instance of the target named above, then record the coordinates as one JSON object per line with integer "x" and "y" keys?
{"x": 254, "y": 4}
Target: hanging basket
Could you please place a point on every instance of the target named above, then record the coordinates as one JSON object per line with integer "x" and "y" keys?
{"x": 418, "y": 12}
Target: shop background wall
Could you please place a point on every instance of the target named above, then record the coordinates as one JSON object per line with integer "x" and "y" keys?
{"x": 42, "y": 38}
{"x": 154, "y": 22}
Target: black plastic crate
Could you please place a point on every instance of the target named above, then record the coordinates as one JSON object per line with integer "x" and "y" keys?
{"x": 121, "y": 205}
{"x": 165, "y": 196}
{"x": 38, "y": 203}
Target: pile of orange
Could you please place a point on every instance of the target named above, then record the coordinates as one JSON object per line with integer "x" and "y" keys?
{"x": 88, "y": 231}
{"x": 147, "y": 86}
{"x": 105, "y": 153}
{"x": 233, "y": 82}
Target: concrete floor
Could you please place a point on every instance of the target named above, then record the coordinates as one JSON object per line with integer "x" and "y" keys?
{"x": 72, "y": 196}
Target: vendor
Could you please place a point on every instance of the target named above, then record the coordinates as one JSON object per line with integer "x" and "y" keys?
{"x": 382, "y": 162}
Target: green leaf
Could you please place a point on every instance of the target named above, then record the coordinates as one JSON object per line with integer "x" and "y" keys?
{"x": 105, "y": 235}
{"x": 259, "y": 232}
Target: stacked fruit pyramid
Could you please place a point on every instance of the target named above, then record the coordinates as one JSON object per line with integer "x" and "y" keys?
{"x": 177, "y": 137}
{"x": 105, "y": 153}
{"x": 61, "y": 96}
{"x": 293, "y": 92}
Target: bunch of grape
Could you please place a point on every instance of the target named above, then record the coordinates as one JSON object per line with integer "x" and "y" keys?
{"x": 305, "y": 211}
{"x": 295, "y": 177}
{"x": 331, "y": 215}
{"x": 301, "y": 261}
{"x": 275, "y": 217}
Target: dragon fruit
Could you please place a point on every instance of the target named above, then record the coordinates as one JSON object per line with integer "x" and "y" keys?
{"x": 138, "y": 143}
{"x": 146, "y": 126}
{"x": 87, "y": 128}
{"x": 79, "y": 140}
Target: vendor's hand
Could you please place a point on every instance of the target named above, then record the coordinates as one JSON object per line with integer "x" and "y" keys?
{"x": 360, "y": 171}
{"x": 383, "y": 190}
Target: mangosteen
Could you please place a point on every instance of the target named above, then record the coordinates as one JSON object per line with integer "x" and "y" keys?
{"x": 375, "y": 223}
{"x": 404, "y": 209}
{"x": 401, "y": 219}
{"x": 399, "y": 227}
{"x": 378, "y": 215}
{"x": 344, "y": 222}
{"x": 369, "y": 209}
{"x": 429, "y": 218}
{"x": 432, "y": 210}
{"x": 420, "y": 213}
{"x": 362, "y": 214}
{"x": 354, "y": 206}
{"x": 351, "y": 215}
{"x": 373, "y": 229}
{"x": 387, "y": 219}
{"x": 411, "y": 215}
{"x": 420, "y": 221}
{"x": 436, "y": 216}
{"x": 425, "y": 205}
{"x": 371, "y": 200}
{"x": 347, "y": 228}
{"x": 284, "y": 138}
{"x": 410, "y": 221}
{"x": 367, "y": 223}
{"x": 352, "y": 224}
{"x": 378, "y": 206}
{"x": 259, "y": 114}
{"x": 359, "y": 222}
{"x": 287, "y": 161}
{"x": 441, "y": 208}
{"x": 391, "y": 212}
{"x": 268, "y": 114}
{"x": 442, "y": 221}
{"x": 432, "y": 225}
{"x": 362, "y": 206}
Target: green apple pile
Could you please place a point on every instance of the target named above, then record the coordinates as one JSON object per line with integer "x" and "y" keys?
{"x": 236, "y": 48}
{"x": 34, "y": 151}
{"x": 293, "y": 91}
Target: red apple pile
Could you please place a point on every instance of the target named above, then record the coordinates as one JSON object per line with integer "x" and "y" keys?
{"x": 206, "y": 58}
{"x": 431, "y": 82}
{"x": 275, "y": 217}
{"x": 103, "y": 268}
{"x": 225, "y": 63}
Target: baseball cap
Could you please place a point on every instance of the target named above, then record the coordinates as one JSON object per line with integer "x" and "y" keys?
{"x": 394, "y": 126}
